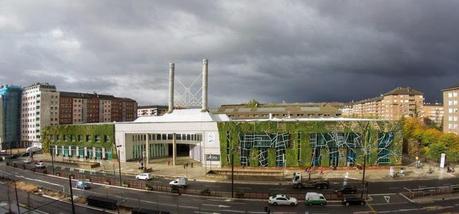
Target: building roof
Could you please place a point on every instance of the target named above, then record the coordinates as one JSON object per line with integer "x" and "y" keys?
{"x": 41, "y": 85}
{"x": 184, "y": 115}
{"x": 153, "y": 106}
{"x": 454, "y": 87}
{"x": 94, "y": 95}
{"x": 84, "y": 95}
{"x": 332, "y": 119}
{"x": 404, "y": 91}
{"x": 280, "y": 108}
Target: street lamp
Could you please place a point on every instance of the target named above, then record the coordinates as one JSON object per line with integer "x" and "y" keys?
{"x": 52, "y": 158}
{"x": 365, "y": 157}
{"x": 119, "y": 161}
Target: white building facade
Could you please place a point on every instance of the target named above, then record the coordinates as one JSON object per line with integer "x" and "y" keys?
{"x": 192, "y": 132}
{"x": 451, "y": 110}
{"x": 39, "y": 108}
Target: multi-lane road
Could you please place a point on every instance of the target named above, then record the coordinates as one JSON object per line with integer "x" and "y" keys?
{"x": 379, "y": 193}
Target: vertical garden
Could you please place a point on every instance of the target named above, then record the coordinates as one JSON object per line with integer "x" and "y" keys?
{"x": 99, "y": 136}
{"x": 310, "y": 143}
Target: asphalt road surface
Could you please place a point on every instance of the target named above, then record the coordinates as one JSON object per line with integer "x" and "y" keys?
{"x": 199, "y": 204}
{"x": 40, "y": 203}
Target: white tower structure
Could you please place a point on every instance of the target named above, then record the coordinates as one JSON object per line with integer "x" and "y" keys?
{"x": 171, "y": 87}
{"x": 204, "y": 84}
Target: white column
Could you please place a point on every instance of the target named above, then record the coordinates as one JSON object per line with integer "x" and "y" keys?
{"x": 204, "y": 84}
{"x": 94, "y": 152}
{"x": 147, "y": 151}
{"x": 62, "y": 148}
{"x": 174, "y": 149}
{"x": 77, "y": 151}
{"x": 85, "y": 152}
{"x": 55, "y": 149}
{"x": 70, "y": 150}
{"x": 171, "y": 87}
{"x": 103, "y": 152}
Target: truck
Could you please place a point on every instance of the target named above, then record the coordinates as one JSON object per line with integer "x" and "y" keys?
{"x": 298, "y": 182}
{"x": 181, "y": 182}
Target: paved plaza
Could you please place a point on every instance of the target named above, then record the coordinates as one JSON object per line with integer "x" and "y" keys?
{"x": 195, "y": 170}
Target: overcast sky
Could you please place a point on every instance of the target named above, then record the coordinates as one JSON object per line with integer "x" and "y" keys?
{"x": 273, "y": 51}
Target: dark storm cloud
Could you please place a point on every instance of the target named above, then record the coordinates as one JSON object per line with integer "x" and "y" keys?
{"x": 267, "y": 50}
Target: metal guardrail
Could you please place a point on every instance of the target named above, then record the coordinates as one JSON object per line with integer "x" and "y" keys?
{"x": 430, "y": 191}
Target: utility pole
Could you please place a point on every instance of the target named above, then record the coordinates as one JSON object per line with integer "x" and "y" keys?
{"x": 365, "y": 157}
{"x": 52, "y": 159}
{"x": 9, "y": 198}
{"x": 17, "y": 200}
{"x": 119, "y": 162}
{"x": 364, "y": 167}
{"x": 71, "y": 194}
{"x": 232, "y": 174}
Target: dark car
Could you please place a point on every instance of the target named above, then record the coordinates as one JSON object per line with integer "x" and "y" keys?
{"x": 347, "y": 189}
{"x": 352, "y": 200}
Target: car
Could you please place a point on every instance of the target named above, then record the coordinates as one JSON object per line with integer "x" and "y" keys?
{"x": 40, "y": 165}
{"x": 281, "y": 199}
{"x": 314, "y": 198}
{"x": 28, "y": 160}
{"x": 352, "y": 200}
{"x": 143, "y": 176}
{"x": 82, "y": 184}
{"x": 180, "y": 182}
{"x": 33, "y": 149}
{"x": 347, "y": 189}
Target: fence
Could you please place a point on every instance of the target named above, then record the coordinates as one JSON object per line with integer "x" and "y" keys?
{"x": 430, "y": 191}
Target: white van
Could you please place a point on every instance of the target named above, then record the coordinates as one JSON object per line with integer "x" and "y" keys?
{"x": 33, "y": 149}
{"x": 312, "y": 198}
{"x": 179, "y": 182}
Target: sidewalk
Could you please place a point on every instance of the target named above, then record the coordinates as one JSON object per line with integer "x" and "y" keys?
{"x": 164, "y": 168}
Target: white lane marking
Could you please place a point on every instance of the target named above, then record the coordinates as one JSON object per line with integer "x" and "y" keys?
{"x": 407, "y": 210}
{"x": 404, "y": 196}
{"x": 233, "y": 211}
{"x": 396, "y": 203}
{"x": 383, "y": 194}
{"x": 42, "y": 181}
{"x": 216, "y": 205}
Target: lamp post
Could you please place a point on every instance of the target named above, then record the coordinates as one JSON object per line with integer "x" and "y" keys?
{"x": 365, "y": 157}
{"x": 52, "y": 159}
{"x": 17, "y": 199}
{"x": 71, "y": 194}
{"x": 119, "y": 161}
{"x": 232, "y": 173}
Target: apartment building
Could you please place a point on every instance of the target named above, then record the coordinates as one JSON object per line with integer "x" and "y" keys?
{"x": 151, "y": 110}
{"x": 451, "y": 109}
{"x": 75, "y": 108}
{"x": 10, "y": 116}
{"x": 281, "y": 110}
{"x": 393, "y": 105}
{"x": 434, "y": 112}
{"x": 39, "y": 109}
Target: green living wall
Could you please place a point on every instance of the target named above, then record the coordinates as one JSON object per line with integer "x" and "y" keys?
{"x": 300, "y": 150}
{"x": 80, "y": 135}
